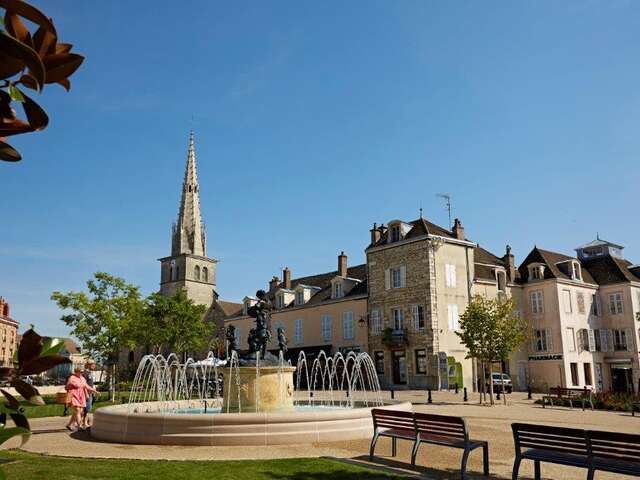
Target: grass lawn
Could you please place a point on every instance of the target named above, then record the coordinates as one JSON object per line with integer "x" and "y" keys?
{"x": 19, "y": 465}
{"x": 54, "y": 409}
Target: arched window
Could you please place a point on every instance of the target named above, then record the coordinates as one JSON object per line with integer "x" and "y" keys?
{"x": 196, "y": 272}
{"x": 171, "y": 277}
{"x": 131, "y": 356}
{"x": 177, "y": 272}
{"x": 205, "y": 274}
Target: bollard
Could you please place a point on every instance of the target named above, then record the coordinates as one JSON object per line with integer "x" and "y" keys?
{"x": 393, "y": 394}
{"x": 347, "y": 393}
{"x": 529, "y": 393}
{"x": 429, "y": 400}
{"x": 498, "y": 395}
{"x": 466, "y": 398}
{"x": 456, "y": 388}
{"x": 311, "y": 394}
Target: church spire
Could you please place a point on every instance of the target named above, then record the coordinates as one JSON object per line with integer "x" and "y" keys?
{"x": 188, "y": 233}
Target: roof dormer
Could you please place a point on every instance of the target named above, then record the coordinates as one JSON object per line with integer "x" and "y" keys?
{"x": 536, "y": 271}
{"x": 247, "y": 303}
{"x": 303, "y": 294}
{"x": 397, "y": 230}
{"x": 283, "y": 297}
{"x": 341, "y": 286}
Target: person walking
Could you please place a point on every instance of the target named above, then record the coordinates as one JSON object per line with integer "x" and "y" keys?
{"x": 77, "y": 386}
{"x": 89, "y": 368}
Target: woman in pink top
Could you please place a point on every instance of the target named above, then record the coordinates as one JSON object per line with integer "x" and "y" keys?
{"x": 78, "y": 388}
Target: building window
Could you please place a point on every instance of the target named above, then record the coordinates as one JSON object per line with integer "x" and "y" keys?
{"x": 397, "y": 318}
{"x": 337, "y": 290}
{"x": 574, "y": 374}
{"x": 171, "y": 273}
{"x": 450, "y": 275}
{"x": 595, "y": 305}
{"x": 566, "y": 298}
{"x": 379, "y": 361}
{"x": 587, "y": 374}
{"x": 417, "y": 312}
{"x": 300, "y": 297}
{"x": 297, "y": 332}
{"x": 396, "y": 278}
{"x": 576, "y": 272}
{"x": 536, "y": 272}
{"x": 205, "y": 274}
{"x": 326, "y": 327}
{"x": 280, "y": 301}
{"x": 615, "y": 303}
{"x": 196, "y": 272}
{"x": 421, "y": 362}
{"x": 376, "y": 322}
{"x": 395, "y": 233}
{"x": 571, "y": 340}
{"x": 619, "y": 340}
{"x": 501, "y": 279}
{"x": 580, "y": 300}
{"x": 537, "y": 302}
{"x": 347, "y": 325}
{"x": 541, "y": 341}
{"x": 238, "y": 336}
{"x": 454, "y": 318}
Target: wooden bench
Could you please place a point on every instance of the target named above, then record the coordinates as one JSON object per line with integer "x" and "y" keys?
{"x": 585, "y": 395}
{"x": 635, "y": 406}
{"x": 592, "y": 450}
{"x": 426, "y": 428}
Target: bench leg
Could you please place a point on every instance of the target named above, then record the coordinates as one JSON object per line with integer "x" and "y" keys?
{"x": 394, "y": 446}
{"x": 590, "y": 474}
{"x": 536, "y": 470}
{"x": 463, "y": 467}
{"x": 374, "y": 440}
{"x": 414, "y": 452}
{"x": 485, "y": 459}
{"x": 516, "y": 468}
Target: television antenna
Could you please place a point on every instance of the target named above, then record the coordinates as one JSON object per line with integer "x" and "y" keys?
{"x": 447, "y": 204}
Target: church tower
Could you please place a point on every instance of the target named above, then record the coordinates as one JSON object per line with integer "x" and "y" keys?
{"x": 188, "y": 267}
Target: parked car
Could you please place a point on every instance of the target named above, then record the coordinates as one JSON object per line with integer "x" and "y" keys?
{"x": 498, "y": 382}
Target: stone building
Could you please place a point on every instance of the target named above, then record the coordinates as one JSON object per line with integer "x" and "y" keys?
{"x": 8, "y": 334}
{"x": 322, "y": 312}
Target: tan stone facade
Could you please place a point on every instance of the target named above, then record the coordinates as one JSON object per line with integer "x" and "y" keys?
{"x": 8, "y": 334}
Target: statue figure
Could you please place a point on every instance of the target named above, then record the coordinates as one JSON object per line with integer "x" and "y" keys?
{"x": 282, "y": 341}
{"x": 261, "y": 311}
{"x": 231, "y": 340}
{"x": 252, "y": 341}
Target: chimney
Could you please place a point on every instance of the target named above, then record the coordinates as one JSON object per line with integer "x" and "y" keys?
{"x": 375, "y": 234}
{"x": 458, "y": 229}
{"x": 273, "y": 284}
{"x": 510, "y": 260}
{"x": 7, "y": 311}
{"x": 286, "y": 275}
{"x": 342, "y": 264}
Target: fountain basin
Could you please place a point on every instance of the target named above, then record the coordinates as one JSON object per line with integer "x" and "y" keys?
{"x": 270, "y": 391}
{"x": 118, "y": 424}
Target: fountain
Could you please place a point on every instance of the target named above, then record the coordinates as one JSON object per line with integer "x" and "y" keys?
{"x": 247, "y": 399}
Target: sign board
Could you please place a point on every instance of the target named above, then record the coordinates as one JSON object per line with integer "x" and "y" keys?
{"x": 553, "y": 356}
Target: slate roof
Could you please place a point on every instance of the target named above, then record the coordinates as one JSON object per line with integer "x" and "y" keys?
{"x": 606, "y": 270}
{"x": 230, "y": 309}
{"x": 551, "y": 260}
{"x": 419, "y": 227}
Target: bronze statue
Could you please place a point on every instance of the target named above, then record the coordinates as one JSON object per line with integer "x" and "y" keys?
{"x": 231, "y": 340}
{"x": 260, "y": 336}
{"x": 282, "y": 341}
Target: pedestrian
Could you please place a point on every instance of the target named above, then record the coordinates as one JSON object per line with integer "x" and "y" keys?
{"x": 89, "y": 367}
{"x": 77, "y": 386}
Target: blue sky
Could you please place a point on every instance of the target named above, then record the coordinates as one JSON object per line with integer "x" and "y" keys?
{"x": 313, "y": 120}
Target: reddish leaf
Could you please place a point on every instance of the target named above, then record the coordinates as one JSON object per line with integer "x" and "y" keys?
{"x": 41, "y": 364}
{"x": 16, "y": 28}
{"x": 28, "y": 81}
{"x": 30, "y": 13}
{"x": 9, "y": 66}
{"x": 27, "y": 391}
{"x": 30, "y": 346}
{"x": 65, "y": 83}
{"x": 6, "y": 372}
{"x": 14, "y": 128}
{"x": 19, "y": 51}
{"x": 63, "y": 48}
{"x": 36, "y": 116}
{"x": 8, "y": 153}
{"x": 61, "y": 66}
{"x": 44, "y": 42}
{"x": 13, "y": 401}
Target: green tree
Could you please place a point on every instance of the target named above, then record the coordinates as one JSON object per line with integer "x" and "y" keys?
{"x": 102, "y": 318}
{"x": 174, "y": 323}
{"x": 491, "y": 330}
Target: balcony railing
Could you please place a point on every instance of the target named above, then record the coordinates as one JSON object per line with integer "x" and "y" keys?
{"x": 395, "y": 337}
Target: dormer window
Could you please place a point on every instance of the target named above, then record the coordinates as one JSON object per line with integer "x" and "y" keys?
{"x": 300, "y": 297}
{"x": 280, "y": 301}
{"x": 576, "y": 271}
{"x": 337, "y": 290}
{"x": 536, "y": 272}
{"x": 394, "y": 233}
{"x": 501, "y": 280}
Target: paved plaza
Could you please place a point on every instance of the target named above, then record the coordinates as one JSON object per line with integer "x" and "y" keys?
{"x": 486, "y": 423}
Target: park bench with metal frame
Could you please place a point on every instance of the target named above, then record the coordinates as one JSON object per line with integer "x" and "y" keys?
{"x": 592, "y": 450}
{"x": 441, "y": 430}
{"x": 585, "y": 395}
{"x": 635, "y": 406}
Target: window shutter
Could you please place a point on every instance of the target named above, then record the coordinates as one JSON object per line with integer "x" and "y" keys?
{"x": 591, "y": 338}
{"x": 456, "y": 318}
{"x": 387, "y": 279}
{"x": 447, "y": 275}
{"x": 450, "y": 316}
{"x": 598, "y": 305}
{"x": 403, "y": 276}
{"x": 452, "y": 269}
{"x": 609, "y": 340}
{"x": 629, "y": 338}
{"x": 604, "y": 340}
{"x": 414, "y": 315}
{"x": 549, "y": 340}
{"x": 534, "y": 342}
